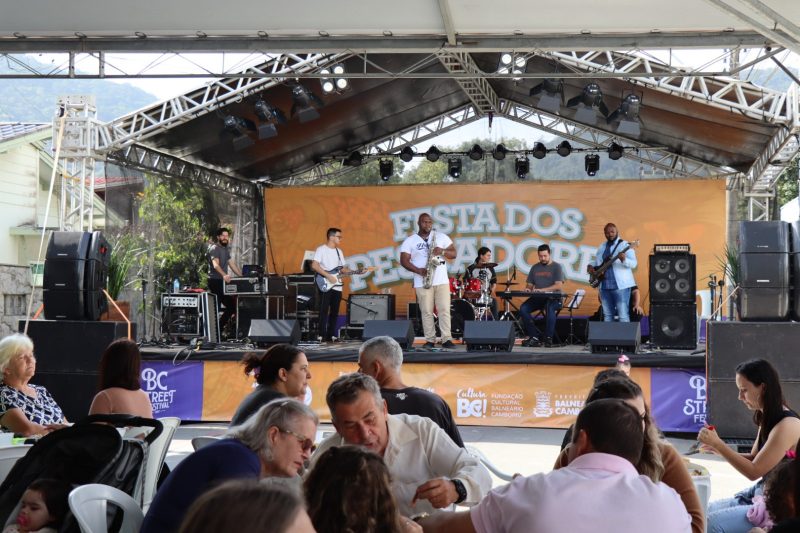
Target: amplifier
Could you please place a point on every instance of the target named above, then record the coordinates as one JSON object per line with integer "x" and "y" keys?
{"x": 273, "y": 286}
{"x": 190, "y": 315}
{"x": 363, "y": 307}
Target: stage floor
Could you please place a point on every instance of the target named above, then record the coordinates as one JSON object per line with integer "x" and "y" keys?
{"x": 347, "y": 351}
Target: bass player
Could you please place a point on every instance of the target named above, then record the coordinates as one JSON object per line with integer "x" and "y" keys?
{"x": 616, "y": 284}
{"x": 424, "y": 254}
{"x": 328, "y": 262}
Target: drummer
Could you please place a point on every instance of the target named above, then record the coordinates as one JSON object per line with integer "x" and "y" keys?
{"x": 483, "y": 270}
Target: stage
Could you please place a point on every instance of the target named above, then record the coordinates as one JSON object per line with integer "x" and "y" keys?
{"x": 526, "y": 387}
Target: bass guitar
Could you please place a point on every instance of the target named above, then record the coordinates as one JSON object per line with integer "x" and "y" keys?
{"x": 596, "y": 277}
{"x": 325, "y": 284}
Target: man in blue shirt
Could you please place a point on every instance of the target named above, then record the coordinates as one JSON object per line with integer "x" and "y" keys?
{"x": 615, "y": 289}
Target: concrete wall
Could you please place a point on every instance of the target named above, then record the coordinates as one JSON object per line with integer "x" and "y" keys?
{"x": 19, "y": 178}
{"x": 15, "y": 288}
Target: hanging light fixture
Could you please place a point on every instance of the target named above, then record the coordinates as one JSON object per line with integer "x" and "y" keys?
{"x": 522, "y": 166}
{"x": 454, "y": 167}
{"x": 433, "y": 154}
{"x": 564, "y": 148}
{"x": 591, "y": 164}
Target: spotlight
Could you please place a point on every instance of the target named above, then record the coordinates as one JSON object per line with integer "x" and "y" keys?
{"x": 615, "y": 151}
{"x": 629, "y": 112}
{"x": 433, "y": 154}
{"x": 564, "y": 149}
{"x": 333, "y": 83}
{"x": 475, "y": 153}
{"x": 539, "y": 151}
{"x": 407, "y": 154}
{"x": 237, "y": 127}
{"x": 499, "y": 152}
{"x": 304, "y": 102}
{"x": 591, "y": 97}
{"x": 354, "y": 159}
{"x": 522, "y": 166}
{"x": 268, "y": 115}
{"x": 386, "y": 169}
{"x": 327, "y": 84}
{"x": 511, "y": 64}
{"x": 454, "y": 167}
{"x": 592, "y": 164}
{"x": 553, "y": 94}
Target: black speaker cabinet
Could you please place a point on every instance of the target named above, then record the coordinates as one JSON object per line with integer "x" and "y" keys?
{"x": 489, "y": 335}
{"x": 247, "y": 310}
{"x": 264, "y": 332}
{"x": 764, "y": 270}
{"x": 763, "y": 303}
{"x": 730, "y": 416}
{"x": 731, "y": 343}
{"x": 614, "y": 337}
{"x": 794, "y": 237}
{"x": 64, "y": 305}
{"x": 795, "y": 262}
{"x": 764, "y": 237}
{"x": 400, "y": 330}
{"x": 673, "y": 326}
{"x": 363, "y": 307}
{"x": 72, "y": 392}
{"x": 65, "y": 245}
{"x": 672, "y": 278}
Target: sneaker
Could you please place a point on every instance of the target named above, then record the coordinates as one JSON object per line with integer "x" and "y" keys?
{"x": 548, "y": 342}
{"x": 428, "y": 345}
{"x": 531, "y": 342}
{"x": 448, "y": 344}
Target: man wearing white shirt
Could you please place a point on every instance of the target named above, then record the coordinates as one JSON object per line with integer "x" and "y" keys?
{"x": 429, "y": 471}
{"x": 615, "y": 289}
{"x": 327, "y": 258}
{"x": 414, "y": 254}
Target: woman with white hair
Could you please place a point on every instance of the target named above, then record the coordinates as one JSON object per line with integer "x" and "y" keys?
{"x": 275, "y": 442}
{"x": 25, "y": 409}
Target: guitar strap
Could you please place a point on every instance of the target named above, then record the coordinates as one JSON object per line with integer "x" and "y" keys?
{"x": 341, "y": 259}
{"x": 611, "y": 254}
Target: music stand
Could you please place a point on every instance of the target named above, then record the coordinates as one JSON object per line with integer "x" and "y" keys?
{"x": 575, "y": 303}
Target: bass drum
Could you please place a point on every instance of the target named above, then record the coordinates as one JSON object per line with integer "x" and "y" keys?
{"x": 460, "y": 312}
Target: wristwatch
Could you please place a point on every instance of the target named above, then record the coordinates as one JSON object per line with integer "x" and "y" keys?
{"x": 461, "y": 490}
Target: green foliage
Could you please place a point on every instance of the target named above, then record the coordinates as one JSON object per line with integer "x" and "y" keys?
{"x": 125, "y": 249}
{"x": 786, "y": 187}
{"x": 729, "y": 263}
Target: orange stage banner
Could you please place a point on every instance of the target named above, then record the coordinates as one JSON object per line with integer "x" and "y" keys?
{"x": 510, "y": 219}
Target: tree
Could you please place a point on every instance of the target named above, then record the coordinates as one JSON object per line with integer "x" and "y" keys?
{"x": 786, "y": 188}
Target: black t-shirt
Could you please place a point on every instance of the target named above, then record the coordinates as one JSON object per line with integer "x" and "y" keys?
{"x": 787, "y": 413}
{"x": 420, "y": 402}
{"x": 223, "y": 253}
{"x": 254, "y": 401}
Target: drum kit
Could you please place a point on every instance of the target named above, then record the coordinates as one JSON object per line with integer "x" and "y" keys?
{"x": 470, "y": 299}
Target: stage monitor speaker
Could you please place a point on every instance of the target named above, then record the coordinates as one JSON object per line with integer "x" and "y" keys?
{"x": 672, "y": 278}
{"x": 763, "y": 303}
{"x": 66, "y": 346}
{"x": 247, "y": 310}
{"x": 673, "y": 326}
{"x": 764, "y": 270}
{"x": 614, "y": 337}
{"x": 264, "y": 332}
{"x": 64, "y": 305}
{"x": 400, "y": 330}
{"x": 363, "y": 307}
{"x": 489, "y": 335}
{"x": 770, "y": 236}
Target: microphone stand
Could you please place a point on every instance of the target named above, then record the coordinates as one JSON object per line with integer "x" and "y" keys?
{"x": 144, "y": 307}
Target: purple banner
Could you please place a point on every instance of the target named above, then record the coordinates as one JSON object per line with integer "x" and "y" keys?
{"x": 678, "y": 398}
{"x": 174, "y": 390}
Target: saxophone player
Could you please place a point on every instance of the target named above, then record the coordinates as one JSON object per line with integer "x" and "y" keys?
{"x": 424, "y": 254}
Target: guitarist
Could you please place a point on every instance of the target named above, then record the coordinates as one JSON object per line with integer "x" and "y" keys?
{"x": 615, "y": 289}
{"x": 328, "y": 257}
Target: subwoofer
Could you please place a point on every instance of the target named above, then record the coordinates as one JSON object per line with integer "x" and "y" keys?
{"x": 672, "y": 278}
{"x": 674, "y": 326}
{"x": 363, "y": 307}
{"x": 265, "y": 332}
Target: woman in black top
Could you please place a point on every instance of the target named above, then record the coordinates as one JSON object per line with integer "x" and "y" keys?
{"x": 487, "y": 277}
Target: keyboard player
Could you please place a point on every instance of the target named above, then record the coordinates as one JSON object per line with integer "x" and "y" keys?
{"x": 219, "y": 260}
{"x": 545, "y": 280}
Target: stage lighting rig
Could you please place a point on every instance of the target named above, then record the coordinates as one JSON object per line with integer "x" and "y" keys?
{"x": 268, "y": 115}
{"x": 333, "y": 84}
{"x": 522, "y": 166}
{"x": 475, "y": 153}
{"x": 499, "y": 152}
{"x": 564, "y": 148}
{"x": 511, "y": 64}
{"x": 628, "y": 115}
{"x": 552, "y": 90}
{"x": 539, "y": 150}
{"x": 454, "y": 167}
{"x": 615, "y": 151}
{"x": 591, "y": 97}
{"x": 386, "y": 168}
{"x": 354, "y": 159}
{"x": 407, "y": 154}
{"x": 304, "y": 103}
{"x": 433, "y": 154}
{"x": 591, "y": 164}
{"x": 238, "y": 128}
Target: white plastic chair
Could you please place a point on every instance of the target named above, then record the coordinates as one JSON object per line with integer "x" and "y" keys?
{"x": 9, "y": 456}
{"x": 488, "y": 464}
{"x": 156, "y": 454}
{"x": 202, "y": 441}
{"x": 89, "y": 504}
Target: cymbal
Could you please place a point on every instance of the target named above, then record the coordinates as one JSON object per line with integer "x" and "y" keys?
{"x": 508, "y": 283}
{"x": 487, "y": 265}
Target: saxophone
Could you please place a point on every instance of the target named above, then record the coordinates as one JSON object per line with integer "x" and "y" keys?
{"x": 433, "y": 262}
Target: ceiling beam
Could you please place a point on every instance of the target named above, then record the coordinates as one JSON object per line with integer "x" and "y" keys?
{"x": 447, "y": 20}
{"x": 780, "y": 37}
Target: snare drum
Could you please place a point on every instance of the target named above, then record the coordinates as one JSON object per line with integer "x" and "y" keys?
{"x": 473, "y": 288}
{"x": 460, "y": 312}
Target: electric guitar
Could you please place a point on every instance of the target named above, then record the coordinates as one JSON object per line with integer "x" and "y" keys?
{"x": 325, "y": 285}
{"x": 596, "y": 277}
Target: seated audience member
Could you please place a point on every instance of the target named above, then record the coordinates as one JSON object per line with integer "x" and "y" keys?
{"x": 781, "y": 497}
{"x": 119, "y": 387}
{"x": 246, "y": 505}
{"x": 43, "y": 507}
{"x": 382, "y": 358}
{"x": 25, "y": 409}
{"x": 350, "y": 490}
{"x": 600, "y": 490}
{"x": 429, "y": 471}
{"x": 275, "y": 441}
{"x": 603, "y": 375}
{"x": 659, "y": 460}
{"x": 280, "y": 371}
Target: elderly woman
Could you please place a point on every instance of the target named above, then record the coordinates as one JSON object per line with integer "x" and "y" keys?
{"x": 25, "y": 409}
{"x": 274, "y": 442}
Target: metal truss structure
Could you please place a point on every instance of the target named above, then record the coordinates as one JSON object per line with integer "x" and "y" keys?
{"x": 76, "y": 156}
{"x": 477, "y": 88}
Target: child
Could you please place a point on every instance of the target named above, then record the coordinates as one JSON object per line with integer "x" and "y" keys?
{"x": 44, "y": 506}
{"x": 624, "y": 364}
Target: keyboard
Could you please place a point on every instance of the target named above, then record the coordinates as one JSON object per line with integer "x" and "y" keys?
{"x": 507, "y": 295}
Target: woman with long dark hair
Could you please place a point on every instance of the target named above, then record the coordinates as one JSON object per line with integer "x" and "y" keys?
{"x": 479, "y": 270}
{"x": 280, "y": 371}
{"x": 119, "y": 384}
{"x": 778, "y": 431}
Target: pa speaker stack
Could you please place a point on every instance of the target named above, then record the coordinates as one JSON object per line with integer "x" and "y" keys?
{"x": 673, "y": 310}
{"x": 764, "y": 292}
{"x": 75, "y": 274}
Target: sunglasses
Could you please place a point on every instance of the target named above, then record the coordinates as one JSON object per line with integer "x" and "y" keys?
{"x": 305, "y": 443}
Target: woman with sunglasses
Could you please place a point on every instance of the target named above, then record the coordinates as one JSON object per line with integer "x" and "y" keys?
{"x": 660, "y": 461}
{"x": 273, "y": 443}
